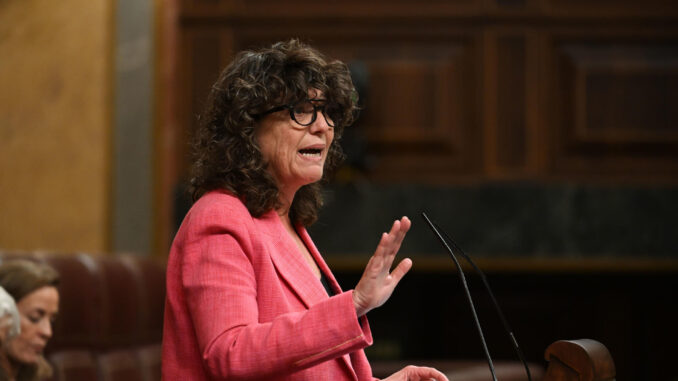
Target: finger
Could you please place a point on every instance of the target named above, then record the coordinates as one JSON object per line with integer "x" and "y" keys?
{"x": 399, "y": 237}
{"x": 395, "y": 229}
{"x": 405, "y": 225}
{"x": 384, "y": 242}
{"x": 385, "y": 247}
{"x": 390, "y": 242}
{"x": 382, "y": 246}
{"x": 396, "y": 226}
{"x": 396, "y": 233}
{"x": 426, "y": 373}
{"x": 390, "y": 250}
{"x": 399, "y": 272}
{"x": 388, "y": 238}
{"x": 378, "y": 263}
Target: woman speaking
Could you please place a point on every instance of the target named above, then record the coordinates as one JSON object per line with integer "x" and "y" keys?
{"x": 249, "y": 296}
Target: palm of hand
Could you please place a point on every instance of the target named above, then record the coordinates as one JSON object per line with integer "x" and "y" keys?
{"x": 377, "y": 284}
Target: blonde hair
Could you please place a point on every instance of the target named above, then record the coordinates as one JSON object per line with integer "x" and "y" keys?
{"x": 20, "y": 277}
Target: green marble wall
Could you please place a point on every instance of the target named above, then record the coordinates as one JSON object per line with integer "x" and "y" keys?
{"x": 501, "y": 219}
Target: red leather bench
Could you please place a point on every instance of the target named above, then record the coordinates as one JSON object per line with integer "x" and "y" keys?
{"x": 110, "y": 319}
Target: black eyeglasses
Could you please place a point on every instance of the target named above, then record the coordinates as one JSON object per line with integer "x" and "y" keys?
{"x": 306, "y": 112}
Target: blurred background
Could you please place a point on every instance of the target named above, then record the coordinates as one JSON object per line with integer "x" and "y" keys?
{"x": 542, "y": 135}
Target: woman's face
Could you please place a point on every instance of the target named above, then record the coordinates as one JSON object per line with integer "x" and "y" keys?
{"x": 37, "y": 311}
{"x": 296, "y": 154}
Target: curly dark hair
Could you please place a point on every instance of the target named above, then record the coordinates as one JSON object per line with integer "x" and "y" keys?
{"x": 227, "y": 155}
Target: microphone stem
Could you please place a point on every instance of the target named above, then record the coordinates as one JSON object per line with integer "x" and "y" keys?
{"x": 468, "y": 295}
{"x": 507, "y": 328}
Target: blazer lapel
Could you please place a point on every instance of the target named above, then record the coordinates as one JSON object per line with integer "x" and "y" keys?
{"x": 306, "y": 238}
{"x": 294, "y": 270}
{"x": 289, "y": 262}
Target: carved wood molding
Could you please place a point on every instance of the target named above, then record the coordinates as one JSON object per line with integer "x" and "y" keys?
{"x": 579, "y": 360}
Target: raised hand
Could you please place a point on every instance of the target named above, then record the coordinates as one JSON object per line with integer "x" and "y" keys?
{"x": 417, "y": 373}
{"x": 377, "y": 282}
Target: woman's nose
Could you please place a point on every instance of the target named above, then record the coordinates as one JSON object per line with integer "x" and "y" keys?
{"x": 320, "y": 124}
{"x": 46, "y": 329}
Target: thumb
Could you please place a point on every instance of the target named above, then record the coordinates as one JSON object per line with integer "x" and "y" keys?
{"x": 403, "y": 267}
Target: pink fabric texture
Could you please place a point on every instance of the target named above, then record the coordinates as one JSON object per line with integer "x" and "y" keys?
{"x": 242, "y": 304}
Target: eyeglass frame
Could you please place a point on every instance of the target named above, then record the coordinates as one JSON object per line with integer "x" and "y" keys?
{"x": 316, "y": 108}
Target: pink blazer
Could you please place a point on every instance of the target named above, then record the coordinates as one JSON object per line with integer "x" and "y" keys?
{"x": 242, "y": 304}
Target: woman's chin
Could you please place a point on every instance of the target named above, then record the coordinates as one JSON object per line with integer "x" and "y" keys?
{"x": 27, "y": 356}
{"x": 311, "y": 177}
{"x": 315, "y": 179}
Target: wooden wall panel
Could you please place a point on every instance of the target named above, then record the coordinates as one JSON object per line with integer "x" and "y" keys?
{"x": 613, "y": 102}
{"x": 271, "y": 9}
{"x": 605, "y": 9}
{"x": 420, "y": 114}
{"x": 505, "y": 96}
{"x": 511, "y": 134}
{"x": 205, "y": 52}
{"x": 55, "y": 125}
{"x": 471, "y": 90}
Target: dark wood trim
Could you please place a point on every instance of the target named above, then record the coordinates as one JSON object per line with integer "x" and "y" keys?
{"x": 443, "y": 264}
{"x": 167, "y": 122}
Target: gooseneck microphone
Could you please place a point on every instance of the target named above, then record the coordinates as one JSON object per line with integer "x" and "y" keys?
{"x": 436, "y": 230}
{"x": 468, "y": 294}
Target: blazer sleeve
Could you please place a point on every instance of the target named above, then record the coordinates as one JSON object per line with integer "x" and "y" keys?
{"x": 220, "y": 286}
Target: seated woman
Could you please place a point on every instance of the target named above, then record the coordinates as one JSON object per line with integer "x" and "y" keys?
{"x": 249, "y": 296}
{"x": 33, "y": 286}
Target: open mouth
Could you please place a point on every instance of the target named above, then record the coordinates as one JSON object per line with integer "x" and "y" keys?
{"x": 311, "y": 152}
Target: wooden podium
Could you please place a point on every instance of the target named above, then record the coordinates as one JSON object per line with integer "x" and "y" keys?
{"x": 568, "y": 360}
{"x": 578, "y": 360}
